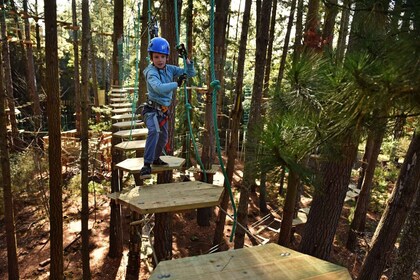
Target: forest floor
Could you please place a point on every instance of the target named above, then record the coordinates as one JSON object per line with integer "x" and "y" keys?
{"x": 189, "y": 239}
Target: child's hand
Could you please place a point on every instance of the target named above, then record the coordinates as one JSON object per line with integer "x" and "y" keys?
{"x": 182, "y": 52}
{"x": 181, "y": 79}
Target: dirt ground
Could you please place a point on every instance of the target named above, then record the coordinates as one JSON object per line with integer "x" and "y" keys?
{"x": 189, "y": 239}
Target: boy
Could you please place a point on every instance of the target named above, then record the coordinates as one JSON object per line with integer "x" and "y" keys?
{"x": 160, "y": 85}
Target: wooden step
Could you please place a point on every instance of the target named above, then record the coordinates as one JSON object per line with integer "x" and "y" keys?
{"x": 137, "y": 145}
{"x": 122, "y": 110}
{"x": 118, "y": 95}
{"x": 133, "y": 133}
{"x": 116, "y": 100}
{"x": 129, "y": 124}
{"x": 119, "y": 105}
{"x": 133, "y": 165}
{"x": 122, "y": 117}
{"x": 118, "y": 90}
{"x": 171, "y": 197}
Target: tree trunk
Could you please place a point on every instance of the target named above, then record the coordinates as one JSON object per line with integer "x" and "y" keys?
{"x": 289, "y": 209}
{"x": 299, "y": 32}
{"x": 255, "y": 119}
{"x": 6, "y": 185}
{"x": 54, "y": 145}
{"x": 115, "y": 225}
{"x": 359, "y": 218}
{"x": 207, "y": 155}
{"x": 30, "y": 75}
{"x": 236, "y": 116}
{"x": 117, "y": 39}
{"x": 395, "y": 214}
{"x": 144, "y": 61}
{"x": 312, "y": 36}
{"x": 93, "y": 74}
{"x": 286, "y": 45}
{"x": 76, "y": 66}
{"x": 328, "y": 201}
{"x": 8, "y": 83}
{"x": 344, "y": 30}
{"x": 409, "y": 249}
{"x": 329, "y": 23}
{"x": 84, "y": 126}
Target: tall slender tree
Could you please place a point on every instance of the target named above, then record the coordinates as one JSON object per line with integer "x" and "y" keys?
{"x": 255, "y": 118}
{"x": 75, "y": 31}
{"x": 84, "y": 127}
{"x": 54, "y": 143}
{"x": 8, "y": 83}
{"x": 6, "y": 185}
{"x": 236, "y": 116}
{"x": 395, "y": 214}
{"x": 30, "y": 69}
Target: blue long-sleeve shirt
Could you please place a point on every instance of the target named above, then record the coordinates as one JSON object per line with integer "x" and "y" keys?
{"x": 160, "y": 82}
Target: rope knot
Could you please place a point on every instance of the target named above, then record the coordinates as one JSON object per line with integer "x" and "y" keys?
{"x": 188, "y": 106}
{"x": 216, "y": 85}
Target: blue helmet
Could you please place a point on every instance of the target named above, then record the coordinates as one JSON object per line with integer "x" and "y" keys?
{"x": 159, "y": 45}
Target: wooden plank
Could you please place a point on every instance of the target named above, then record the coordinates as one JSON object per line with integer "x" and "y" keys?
{"x": 118, "y": 90}
{"x": 129, "y": 124}
{"x": 121, "y": 117}
{"x": 301, "y": 219}
{"x": 122, "y": 110}
{"x": 133, "y": 165}
{"x": 119, "y": 95}
{"x": 172, "y": 197}
{"x": 115, "y": 100}
{"x": 138, "y": 132}
{"x": 131, "y": 145}
{"x": 270, "y": 261}
{"x": 118, "y": 105}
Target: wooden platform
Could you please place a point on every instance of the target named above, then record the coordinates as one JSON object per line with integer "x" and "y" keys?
{"x": 171, "y": 197}
{"x": 133, "y": 165}
{"x": 270, "y": 261}
{"x": 138, "y": 132}
{"x": 131, "y": 145}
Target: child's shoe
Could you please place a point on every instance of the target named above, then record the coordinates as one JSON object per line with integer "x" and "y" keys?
{"x": 160, "y": 162}
{"x": 146, "y": 172}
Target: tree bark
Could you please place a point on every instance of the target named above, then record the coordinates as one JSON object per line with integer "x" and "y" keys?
{"x": 409, "y": 249}
{"x": 236, "y": 116}
{"x": 115, "y": 225}
{"x": 329, "y": 23}
{"x": 6, "y": 185}
{"x": 344, "y": 30}
{"x": 328, "y": 201}
{"x": 220, "y": 25}
{"x": 8, "y": 83}
{"x": 84, "y": 127}
{"x": 54, "y": 145}
{"x": 286, "y": 45}
{"x": 395, "y": 214}
{"x": 255, "y": 119}
{"x": 76, "y": 66}
{"x": 288, "y": 210}
{"x": 362, "y": 204}
{"x": 30, "y": 75}
{"x": 299, "y": 32}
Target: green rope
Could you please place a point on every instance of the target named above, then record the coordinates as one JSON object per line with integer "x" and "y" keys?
{"x": 188, "y": 106}
{"x": 215, "y": 84}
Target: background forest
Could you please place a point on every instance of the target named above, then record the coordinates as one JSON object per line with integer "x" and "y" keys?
{"x": 308, "y": 104}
